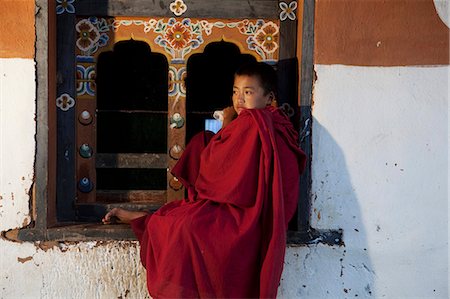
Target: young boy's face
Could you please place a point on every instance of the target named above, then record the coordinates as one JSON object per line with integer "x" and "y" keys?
{"x": 249, "y": 94}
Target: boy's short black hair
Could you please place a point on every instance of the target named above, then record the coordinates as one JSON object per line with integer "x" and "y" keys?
{"x": 265, "y": 73}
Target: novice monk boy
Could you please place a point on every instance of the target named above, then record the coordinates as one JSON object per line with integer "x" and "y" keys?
{"x": 227, "y": 239}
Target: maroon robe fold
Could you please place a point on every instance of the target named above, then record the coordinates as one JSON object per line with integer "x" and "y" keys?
{"x": 228, "y": 238}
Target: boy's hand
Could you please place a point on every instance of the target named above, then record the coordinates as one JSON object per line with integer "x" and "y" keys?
{"x": 229, "y": 114}
{"x": 118, "y": 215}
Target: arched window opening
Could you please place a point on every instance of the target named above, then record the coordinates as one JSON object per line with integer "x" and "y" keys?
{"x": 132, "y": 87}
{"x": 209, "y": 82}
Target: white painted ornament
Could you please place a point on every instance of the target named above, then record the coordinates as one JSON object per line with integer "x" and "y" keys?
{"x": 65, "y": 102}
{"x": 178, "y": 7}
{"x": 288, "y": 10}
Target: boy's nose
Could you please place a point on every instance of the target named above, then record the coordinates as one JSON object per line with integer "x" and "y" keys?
{"x": 240, "y": 98}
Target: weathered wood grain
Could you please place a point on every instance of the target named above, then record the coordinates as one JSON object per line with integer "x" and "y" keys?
{"x": 195, "y": 9}
{"x": 306, "y": 81}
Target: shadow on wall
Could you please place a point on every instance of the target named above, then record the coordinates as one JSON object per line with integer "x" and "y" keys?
{"x": 331, "y": 271}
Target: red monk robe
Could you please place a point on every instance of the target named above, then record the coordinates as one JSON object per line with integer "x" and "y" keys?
{"x": 228, "y": 238}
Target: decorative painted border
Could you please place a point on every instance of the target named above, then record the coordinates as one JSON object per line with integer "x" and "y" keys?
{"x": 180, "y": 37}
{"x": 176, "y": 81}
{"x": 85, "y": 80}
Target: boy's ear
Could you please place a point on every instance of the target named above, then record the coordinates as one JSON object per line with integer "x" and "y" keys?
{"x": 274, "y": 103}
{"x": 270, "y": 98}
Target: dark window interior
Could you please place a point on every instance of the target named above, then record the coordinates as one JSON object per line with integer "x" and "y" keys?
{"x": 131, "y": 179}
{"x": 131, "y": 77}
{"x": 132, "y": 88}
{"x": 209, "y": 83}
{"x": 131, "y": 131}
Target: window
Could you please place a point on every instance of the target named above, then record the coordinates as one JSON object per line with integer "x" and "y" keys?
{"x": 209, "y": 89}
{"x": 114, "y": 76}
{"x": 122, "y": 141}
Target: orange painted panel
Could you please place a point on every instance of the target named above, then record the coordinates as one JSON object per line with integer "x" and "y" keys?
{"x": 17, "y": 33}
{"x": 380, "y": 33}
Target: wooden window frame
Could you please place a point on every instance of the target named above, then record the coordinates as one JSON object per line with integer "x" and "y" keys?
{"x": 44, "y": 225}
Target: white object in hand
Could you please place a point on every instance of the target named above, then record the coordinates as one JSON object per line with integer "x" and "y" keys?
{"x": 218, "y": 114}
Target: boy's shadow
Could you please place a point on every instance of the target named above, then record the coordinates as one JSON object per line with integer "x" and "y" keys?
{"x": 323, "y": 271}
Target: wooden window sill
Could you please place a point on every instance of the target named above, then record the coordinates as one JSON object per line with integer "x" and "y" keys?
{"x": 99, "y": 232}
{"x": 73, "y": 232}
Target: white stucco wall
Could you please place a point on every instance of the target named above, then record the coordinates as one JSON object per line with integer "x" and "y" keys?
{"x": 379, "y": 172}
{"x": 379, "y": 167}
{"x": 82, "y": 270}
{"x": 17, "y": 143}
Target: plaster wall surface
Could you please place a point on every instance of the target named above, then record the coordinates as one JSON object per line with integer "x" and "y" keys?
{"x": 71, "y": 270}
{"x": 380, "y": 172}
{"x": 17, "y": 142}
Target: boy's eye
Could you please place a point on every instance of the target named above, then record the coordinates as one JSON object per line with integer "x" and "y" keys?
{"x": 248, "y": 92}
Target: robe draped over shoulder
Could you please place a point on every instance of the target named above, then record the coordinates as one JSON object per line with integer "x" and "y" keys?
{"x": 228, "y": 238}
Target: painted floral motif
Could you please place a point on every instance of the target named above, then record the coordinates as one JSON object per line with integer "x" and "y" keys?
{"x": 248, "y": 28}
{"x": 265, "y": 37}
{"x": 178, "y": 7}
{"x": 65, "y": 5}
{"x": 178, "y": 38}
{"x": 92, "y": 34}
{"x": 178, "y": 35}
{"x": 88, "y": 35}
{"x": 176, "y": 81}
{"x": 85, "y": 80}
{"x": 267, "y": 33}
{"x": 65, "y": 102}
{"x": 288, "y": 11}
